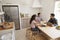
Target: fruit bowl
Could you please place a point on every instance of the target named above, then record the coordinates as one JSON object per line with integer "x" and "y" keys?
{"x": 58, "y": 27}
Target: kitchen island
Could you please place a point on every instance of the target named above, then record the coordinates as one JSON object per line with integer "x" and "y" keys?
{"x": 8, "y": 33}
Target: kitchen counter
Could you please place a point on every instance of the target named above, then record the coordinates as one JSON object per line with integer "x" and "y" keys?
{"x": 8, "y": 33}
{"x": 10, "y": 26}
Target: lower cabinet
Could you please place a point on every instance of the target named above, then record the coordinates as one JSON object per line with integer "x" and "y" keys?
{"x": 7, "y": 35}
{"x": 25, "y": 22}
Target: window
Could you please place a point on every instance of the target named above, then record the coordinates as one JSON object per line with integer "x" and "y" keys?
{"x": 57, "y": 11}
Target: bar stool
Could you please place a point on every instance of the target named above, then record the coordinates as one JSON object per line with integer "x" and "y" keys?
{"x": 30, "y": 34}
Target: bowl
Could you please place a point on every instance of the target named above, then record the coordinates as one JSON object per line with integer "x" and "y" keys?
{"x": 58, "y": 27}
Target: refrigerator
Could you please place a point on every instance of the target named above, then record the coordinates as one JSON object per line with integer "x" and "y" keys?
{"x": 12, "y": 14}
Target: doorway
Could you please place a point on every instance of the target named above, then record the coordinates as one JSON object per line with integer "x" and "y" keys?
{"x": 57, "y": 11}
{"x": 12, "y": 14}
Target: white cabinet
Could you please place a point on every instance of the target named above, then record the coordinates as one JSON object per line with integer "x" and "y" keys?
{"x": 8, "y": 34}
{"x": 25, "y": 22}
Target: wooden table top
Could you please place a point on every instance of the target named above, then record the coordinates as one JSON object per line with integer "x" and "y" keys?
{"x": 10, "y": 26}
{"x": 52, "y": 32}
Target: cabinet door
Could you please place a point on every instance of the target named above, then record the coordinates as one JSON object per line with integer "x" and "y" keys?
{"x": 25, "y": 23}
{"x": 6, "y": 35}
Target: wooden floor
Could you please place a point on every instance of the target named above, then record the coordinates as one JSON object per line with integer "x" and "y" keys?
{"x": 40, "y": 37}
{"x": 35, "y": 35}
{"x": 21, "y": 35}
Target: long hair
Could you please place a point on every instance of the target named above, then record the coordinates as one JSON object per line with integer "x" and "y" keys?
{"x": 32, "y": 18}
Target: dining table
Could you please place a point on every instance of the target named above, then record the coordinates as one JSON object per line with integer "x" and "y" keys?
{"x": 50, "y": 32}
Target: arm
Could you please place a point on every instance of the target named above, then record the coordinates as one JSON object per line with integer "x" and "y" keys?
{"x": 36, "y": 24}
{"x": 55, "y": 22}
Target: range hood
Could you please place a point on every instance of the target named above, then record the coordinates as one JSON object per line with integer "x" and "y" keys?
{"x": 36, "y": 4}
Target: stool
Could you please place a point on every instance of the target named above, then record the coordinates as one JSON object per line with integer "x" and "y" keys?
{"x": 30, "y": 34}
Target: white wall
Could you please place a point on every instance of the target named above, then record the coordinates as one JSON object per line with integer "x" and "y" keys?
{"x": 48, "y": 7}
{"x": 26, "y": 6}
{"x": 0, "y": 5}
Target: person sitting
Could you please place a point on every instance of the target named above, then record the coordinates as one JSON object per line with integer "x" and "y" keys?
{"x": 49, "y": 24}
{"x": 52, "y": 19}
{"x": 34, "y": 24}
{"x": 38, "y": 18}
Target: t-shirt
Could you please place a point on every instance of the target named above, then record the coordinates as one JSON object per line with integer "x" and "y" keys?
{"x": 39, "y": 19}
{"x": 53, "y": 21}
{"x": 33, "y": 24}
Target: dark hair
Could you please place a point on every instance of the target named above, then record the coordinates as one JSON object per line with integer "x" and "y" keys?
{"x": 38, "y": 14}
{"x": 32, "y": 18}
{"x": 52, "y": 14}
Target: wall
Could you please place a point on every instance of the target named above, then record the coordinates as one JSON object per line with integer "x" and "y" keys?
{"x": 0, "y": 5}
{"x": 25, "y": 6}
{"x": 48, "y": 8}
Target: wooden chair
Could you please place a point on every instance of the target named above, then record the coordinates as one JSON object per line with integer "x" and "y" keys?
{"x": 34, "y": 35}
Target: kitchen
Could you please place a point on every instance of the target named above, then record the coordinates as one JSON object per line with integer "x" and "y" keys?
{"x": 25, "y": 9}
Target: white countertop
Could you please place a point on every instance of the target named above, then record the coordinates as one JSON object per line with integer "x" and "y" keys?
{"x": 52, "y": 32}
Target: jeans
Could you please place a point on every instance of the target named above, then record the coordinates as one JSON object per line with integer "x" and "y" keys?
{"x": 35, "y": 29}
